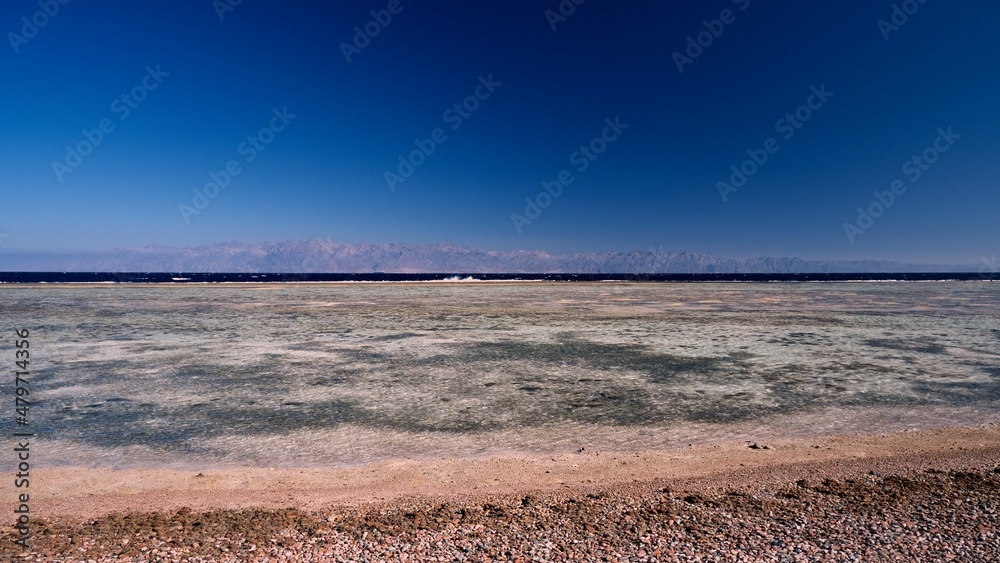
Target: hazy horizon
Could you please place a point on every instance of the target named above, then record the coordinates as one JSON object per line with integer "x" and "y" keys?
{"x": 319, "y": 256}
{"x": 661, "y": 250}
{"x": 973, "y": 262}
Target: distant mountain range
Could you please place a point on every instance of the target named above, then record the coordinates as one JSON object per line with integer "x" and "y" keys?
{"x": 314, "y": 256}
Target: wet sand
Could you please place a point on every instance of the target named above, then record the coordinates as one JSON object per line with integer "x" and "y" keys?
{"x": 92, "y": 492}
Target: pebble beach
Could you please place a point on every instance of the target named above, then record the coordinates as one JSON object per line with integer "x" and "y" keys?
{"x": 923, "y": 496}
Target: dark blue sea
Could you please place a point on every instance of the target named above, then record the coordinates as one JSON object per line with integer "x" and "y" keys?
{"x": 196, "y": 277}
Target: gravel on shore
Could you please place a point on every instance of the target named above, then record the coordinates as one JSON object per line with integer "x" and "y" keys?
{"x": 911, "y": 516}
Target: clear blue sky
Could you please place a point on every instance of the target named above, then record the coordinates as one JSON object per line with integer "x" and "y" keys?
{"x": 654, "y": 186}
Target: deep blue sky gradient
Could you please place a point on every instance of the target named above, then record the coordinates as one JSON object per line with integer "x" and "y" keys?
{"x": 654, "y": 187}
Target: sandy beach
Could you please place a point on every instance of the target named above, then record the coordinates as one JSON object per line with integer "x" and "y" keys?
{"x": 424, "y": 509}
